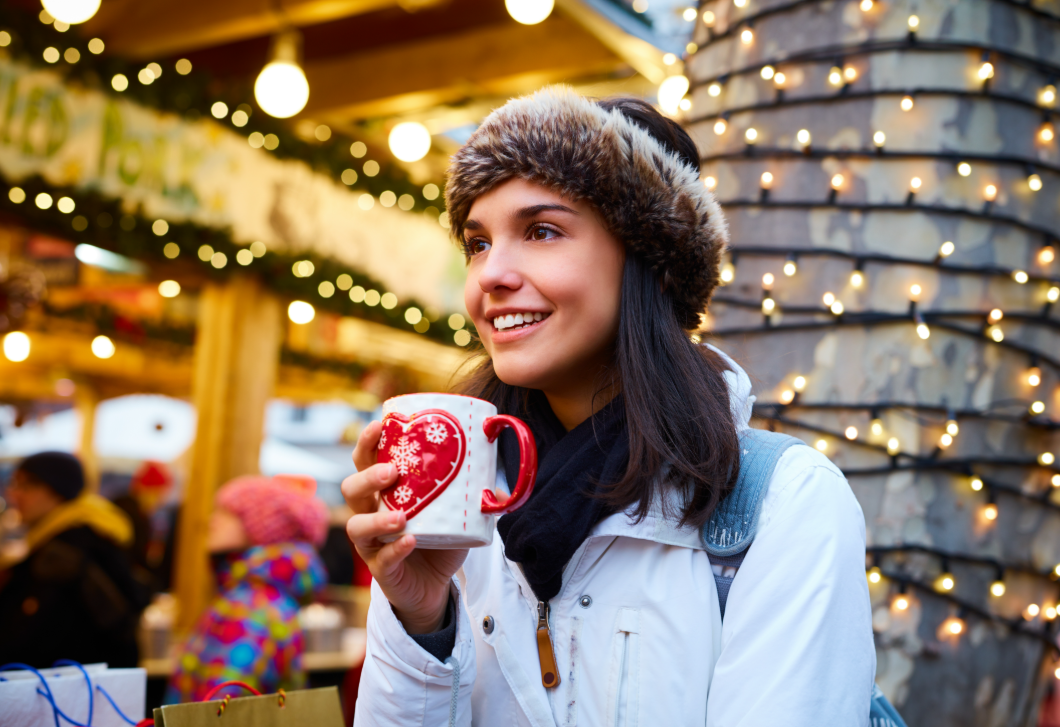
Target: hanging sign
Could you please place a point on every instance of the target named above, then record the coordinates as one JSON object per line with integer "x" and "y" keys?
{"x": 200, "y": 171}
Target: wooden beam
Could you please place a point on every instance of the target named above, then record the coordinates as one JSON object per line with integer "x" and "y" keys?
{"x": 502, "y": 59}
{"x": 167, "y": 27}
{"x": 637, "y": 52}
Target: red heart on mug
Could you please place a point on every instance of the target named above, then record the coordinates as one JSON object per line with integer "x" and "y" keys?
{"x": 427, "y": 449}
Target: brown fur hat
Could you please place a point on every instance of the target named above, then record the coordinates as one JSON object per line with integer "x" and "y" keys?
{"x": 653, "y": 201}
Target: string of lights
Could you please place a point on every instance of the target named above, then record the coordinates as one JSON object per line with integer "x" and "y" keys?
{"x": 994, "y": 226}
{"x": 923, "y": 330}
{"x": 955, "y": 625}
{"x": 939, "y": 260}
{"x": 767, "y": 409}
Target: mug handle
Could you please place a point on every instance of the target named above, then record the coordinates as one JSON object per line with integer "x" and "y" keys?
{"x": 527, "y": 464}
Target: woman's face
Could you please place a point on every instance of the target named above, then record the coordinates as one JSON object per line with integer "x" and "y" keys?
{"x": 534, "y": 252}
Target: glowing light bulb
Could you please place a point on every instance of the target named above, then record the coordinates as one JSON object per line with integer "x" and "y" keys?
{"x": 1049, "y": 612}
{"x": 946, "y": 582}
{"x": 874, "y": 575}
{"x": 751, "y": 135}
{"x": 779, "y": 79}
{"x": 767, "y": 182}
{"x": 964, "y": 169}
{"x": 976, "y": 484}
{"x": 767, "y": 281}
{"x": 1020, "y": 276}
{"x": 709, "y": 18}
{"x": 16, "y": 346}
{"x": 953, "y": 626}
{"x": 821, "y": 445}
{"x": 857, "y": 279}
{"x": 103, "y": 347}
{"x": 996, "y": 334}
{"x": 689, "y": 15}
{"x": 893, "y": 445}
{"x": 799, "y": 383}
{"x": 879, "y": 139}
{"x": 1034, "y": 376}
{"x": 1037, "y": 407}
{"x": 1046, "y": 458}
{"x": 946, "y": 249}
{"x": 990, "y": 511}
{"x": 1034, "y": 182}
{"x": 915, "y": 183}
{"x": 410, "y": 141}
{"x": 1047, "y": 95}
{"x": 768, "y": 305}
{"x": 986, "y": 71}
{"x": 876, "y": 427}
{"x": 914, "y": 291}
{"x": 866, "y": 5}
{"x": 837, "y": 308}
{"x": 995, "y": 315}
{"x": 1033, "y": 610}
{"x": 990, "y": 192}
{"x": 850, "y": 74}
{"x": 768, "y": 72}
{"x": 1055, "y": 481}
{"x": 913, "y": 22}
{"x": 71, "y": 12}
{"x": 900, "y": 603}
{"x": 945, "y": 440}
{"x": 720, "y": 126}
{"x": 787, "y": 396}
{"x": 300, "y": 312}
{"x": 923, "y": 331}
{"x": 835, "y": 76}
{"x": 837, "y": 181}
{"x": 671, "y": 91}
{"x": 281, "y": 88}
{"x": 1053, "y": 294}
{"x": 790, "y": 268}
{"x": 828, "y": 298}
{"x": 1046, "y": 255}
{"x": 710, "y": 183}
{"x": 906, "y": 103}
{"x": 1046, "y": 133}
{"x": 530, "y": 12}
{"x": 714, "y": 90}
{"x": 747, "y": 36}
{"x": 728, "y": 273}
{"x": 851, "y": 433}
{"x": 803, "y": 137}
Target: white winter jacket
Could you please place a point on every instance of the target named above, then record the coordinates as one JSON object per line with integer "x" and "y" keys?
{"x": 637, "y": 628}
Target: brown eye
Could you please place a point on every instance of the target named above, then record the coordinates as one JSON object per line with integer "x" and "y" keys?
{"x": 542, "y": 233}
{"x": 474, "y": 247}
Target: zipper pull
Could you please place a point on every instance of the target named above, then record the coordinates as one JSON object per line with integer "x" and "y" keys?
{"x": 545, "y": 652}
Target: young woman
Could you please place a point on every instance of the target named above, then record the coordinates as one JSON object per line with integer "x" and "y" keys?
{"x": 592, "y": 248}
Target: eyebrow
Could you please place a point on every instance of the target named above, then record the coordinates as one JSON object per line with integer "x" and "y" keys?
{"x": 526, "y": 213}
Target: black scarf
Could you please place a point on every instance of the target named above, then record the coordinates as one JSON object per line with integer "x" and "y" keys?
{"x": 543, "y": 534}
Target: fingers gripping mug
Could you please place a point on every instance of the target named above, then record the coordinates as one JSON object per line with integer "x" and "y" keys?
{"x": 444, "y": 447}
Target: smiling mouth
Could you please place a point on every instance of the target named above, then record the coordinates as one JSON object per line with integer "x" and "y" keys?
{"x": 515, "y": 321}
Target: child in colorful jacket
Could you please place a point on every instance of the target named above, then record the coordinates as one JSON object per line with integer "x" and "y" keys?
{"x": 261, "y": 539}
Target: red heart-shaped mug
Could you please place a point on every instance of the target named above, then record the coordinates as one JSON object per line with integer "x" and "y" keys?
{"x": 444, "y": 447}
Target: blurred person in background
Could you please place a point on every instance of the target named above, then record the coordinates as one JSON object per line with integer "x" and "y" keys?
{"x": 261, "y": 539}
{"x": 154, "y": 516}
{"x": 74, "y": 595}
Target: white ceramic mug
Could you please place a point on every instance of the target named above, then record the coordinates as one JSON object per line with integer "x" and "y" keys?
{"x": 444, "y": 447}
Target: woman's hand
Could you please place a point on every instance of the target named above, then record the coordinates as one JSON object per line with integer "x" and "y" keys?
{"x": 416, "y": 582}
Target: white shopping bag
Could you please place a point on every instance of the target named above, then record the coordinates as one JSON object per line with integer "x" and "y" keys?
{"x": 118, "y": 696}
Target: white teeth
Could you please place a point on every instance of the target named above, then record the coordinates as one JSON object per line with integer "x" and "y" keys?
{"x": 517, "y": 319}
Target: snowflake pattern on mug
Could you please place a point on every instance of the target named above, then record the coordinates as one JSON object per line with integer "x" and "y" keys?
{"x": 436, "y": 433}
{"x": 382, "y": 440}
{"x": 402, "y": 494}
{"x": 405, "y": 455}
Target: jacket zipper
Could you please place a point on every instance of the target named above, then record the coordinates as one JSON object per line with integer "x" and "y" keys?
{"x": 546, "y": 653}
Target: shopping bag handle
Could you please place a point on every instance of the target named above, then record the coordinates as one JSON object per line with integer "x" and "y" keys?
{"x": 210, "y": 694}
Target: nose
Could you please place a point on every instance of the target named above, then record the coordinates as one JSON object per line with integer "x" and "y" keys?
{"x": 500, "y": 271}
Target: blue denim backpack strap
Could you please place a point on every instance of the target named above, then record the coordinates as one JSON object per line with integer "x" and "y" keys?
{"x": 732, "y": 527}
{"x": 734, "y": 523}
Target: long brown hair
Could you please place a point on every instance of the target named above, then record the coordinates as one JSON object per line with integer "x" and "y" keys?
{"x": 681, "y": 430}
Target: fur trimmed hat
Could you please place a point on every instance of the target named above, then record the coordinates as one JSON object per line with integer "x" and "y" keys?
{"x": 652, "y": 200}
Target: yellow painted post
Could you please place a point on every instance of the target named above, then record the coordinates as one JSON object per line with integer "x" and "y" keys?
{"x": 236, "y": 361}
{"x": 86, "y": 401}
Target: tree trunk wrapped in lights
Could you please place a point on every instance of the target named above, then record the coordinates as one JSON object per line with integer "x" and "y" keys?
{"x": 891, "y": 177}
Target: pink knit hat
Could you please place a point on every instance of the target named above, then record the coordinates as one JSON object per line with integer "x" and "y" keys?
{"x": 276, "y": 509}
